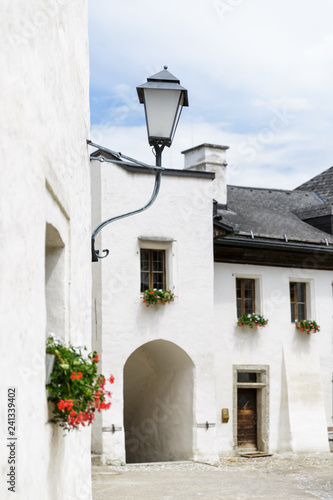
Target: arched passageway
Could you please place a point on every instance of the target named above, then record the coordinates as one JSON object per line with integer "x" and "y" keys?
{"x": 158, "y": 403}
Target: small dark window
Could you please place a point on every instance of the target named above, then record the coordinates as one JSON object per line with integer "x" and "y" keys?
{"x": 152, "y": 269}
{"x": 298, "y": 301}
{"x": 245, "y": 293}
{"x": 246, "y": 377}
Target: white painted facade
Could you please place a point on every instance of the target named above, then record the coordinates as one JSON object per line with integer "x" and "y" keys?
{"x": 45, "y": 278}
{"x": 164, "y": 357}
{"x": 300, "y": 365}
{"x": 122, "y": 324}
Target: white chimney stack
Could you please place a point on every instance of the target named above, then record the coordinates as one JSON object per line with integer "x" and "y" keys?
{"x": 210, "y": 158}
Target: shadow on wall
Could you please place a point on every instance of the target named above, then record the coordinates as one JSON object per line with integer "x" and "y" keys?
{"x": 55, "y": 284}
{"x": 158, "y": 403}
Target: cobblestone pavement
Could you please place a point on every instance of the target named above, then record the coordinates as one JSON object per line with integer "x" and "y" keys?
{"x": 294, "y": 477}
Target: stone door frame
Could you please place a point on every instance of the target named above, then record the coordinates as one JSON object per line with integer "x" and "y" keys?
{"x": 262, "y": 387}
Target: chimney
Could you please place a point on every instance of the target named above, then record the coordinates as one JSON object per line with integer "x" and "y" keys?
{"x": 210, "y": 158}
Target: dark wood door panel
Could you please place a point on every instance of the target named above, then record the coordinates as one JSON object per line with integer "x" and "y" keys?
{"x": 247, "y": 418}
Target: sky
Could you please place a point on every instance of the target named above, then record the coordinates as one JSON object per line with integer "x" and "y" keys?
{"x": 258, "y": 73}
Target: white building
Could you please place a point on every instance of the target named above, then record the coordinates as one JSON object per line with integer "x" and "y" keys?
{"x": 45, "y": 267}
{"x": 190, "y": 382}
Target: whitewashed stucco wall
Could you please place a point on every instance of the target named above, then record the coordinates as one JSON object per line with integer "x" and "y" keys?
{"x": 300, "y": 365}
{"x": 44, "y": 178}
{"x": 298, "y": 392}
{"x": 182, "y": 214}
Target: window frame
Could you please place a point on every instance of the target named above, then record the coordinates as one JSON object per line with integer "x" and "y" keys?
{"x": 169, "y": 245}
{"x": 151, "y": 272}
{"x": 297, "y": 302}
{"x": 243, "y": 298}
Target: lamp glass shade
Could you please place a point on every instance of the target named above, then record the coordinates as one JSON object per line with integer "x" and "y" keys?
{"x": 163, "y": 108}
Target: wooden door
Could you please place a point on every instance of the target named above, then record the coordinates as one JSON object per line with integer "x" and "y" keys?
{"x": 247, "y": 418}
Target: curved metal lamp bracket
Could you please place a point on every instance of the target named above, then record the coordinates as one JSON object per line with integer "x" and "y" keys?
{"x": 158, "y": 174}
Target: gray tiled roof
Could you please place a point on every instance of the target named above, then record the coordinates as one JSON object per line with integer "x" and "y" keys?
{"x": 322, "y": 185}
{"x": 315, "y": 211}
{"x": 271, "y": 214}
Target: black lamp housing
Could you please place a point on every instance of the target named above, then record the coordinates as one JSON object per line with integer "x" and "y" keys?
{"x": 163, "y": 98}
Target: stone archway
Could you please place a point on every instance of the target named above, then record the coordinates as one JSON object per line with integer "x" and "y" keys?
{"x": 158, "y": 403}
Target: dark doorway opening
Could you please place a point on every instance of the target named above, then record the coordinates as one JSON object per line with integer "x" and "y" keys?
{"x": 158, "y": 403}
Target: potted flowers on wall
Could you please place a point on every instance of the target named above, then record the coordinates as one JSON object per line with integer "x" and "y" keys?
{"x": 308, "y": 326}
{"x": 152, "y": 297}
{"x": 75, "y": 388}
{"x": 252, "y": 320}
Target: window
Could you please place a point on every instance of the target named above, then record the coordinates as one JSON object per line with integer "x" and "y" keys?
{"x": 298, "y": 301}
{"x": 246, "y": 377}
{"x": 152, "y": 269}
{"x": 245, "y": 293}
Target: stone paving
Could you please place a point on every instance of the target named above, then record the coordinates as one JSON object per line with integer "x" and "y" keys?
{"x": 278, "y": 477}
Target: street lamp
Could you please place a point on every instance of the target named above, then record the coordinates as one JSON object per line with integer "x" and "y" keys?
{"x": 163, "y": 98}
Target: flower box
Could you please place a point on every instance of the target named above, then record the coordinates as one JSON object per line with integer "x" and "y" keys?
{"x": 152, "y": 297}
{"x": 252, "y": 320}
{"x": 307, "y": 326}
{"x": 75, "y": 388}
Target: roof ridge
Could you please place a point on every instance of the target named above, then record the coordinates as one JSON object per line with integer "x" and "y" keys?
{"x": 322, "y": 174}
{"x": 267, "y": 189}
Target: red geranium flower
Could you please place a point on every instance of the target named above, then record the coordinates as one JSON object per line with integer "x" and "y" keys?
{"x": 102, "y": 382}
{"x": 61, "y": 404}
{"x": 111, "y": 379}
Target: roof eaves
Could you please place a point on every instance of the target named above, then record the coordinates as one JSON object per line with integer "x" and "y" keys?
{"x": 238, "y": 240}
{"x": 142, "y": 170}
{"x": 223, "y": 225}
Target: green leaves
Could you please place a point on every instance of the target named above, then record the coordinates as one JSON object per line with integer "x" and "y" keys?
{"x": 75, "y": 388}
{"x": 252, "y": 320}
{"x": 308, "y": 326}
{"x": 152, "y": 296}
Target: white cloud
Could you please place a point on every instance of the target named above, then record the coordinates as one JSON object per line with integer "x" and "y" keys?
{"x": 259, "y": 76}
{"x": 277, "y": 159}
{"x": 322, "y": 50}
